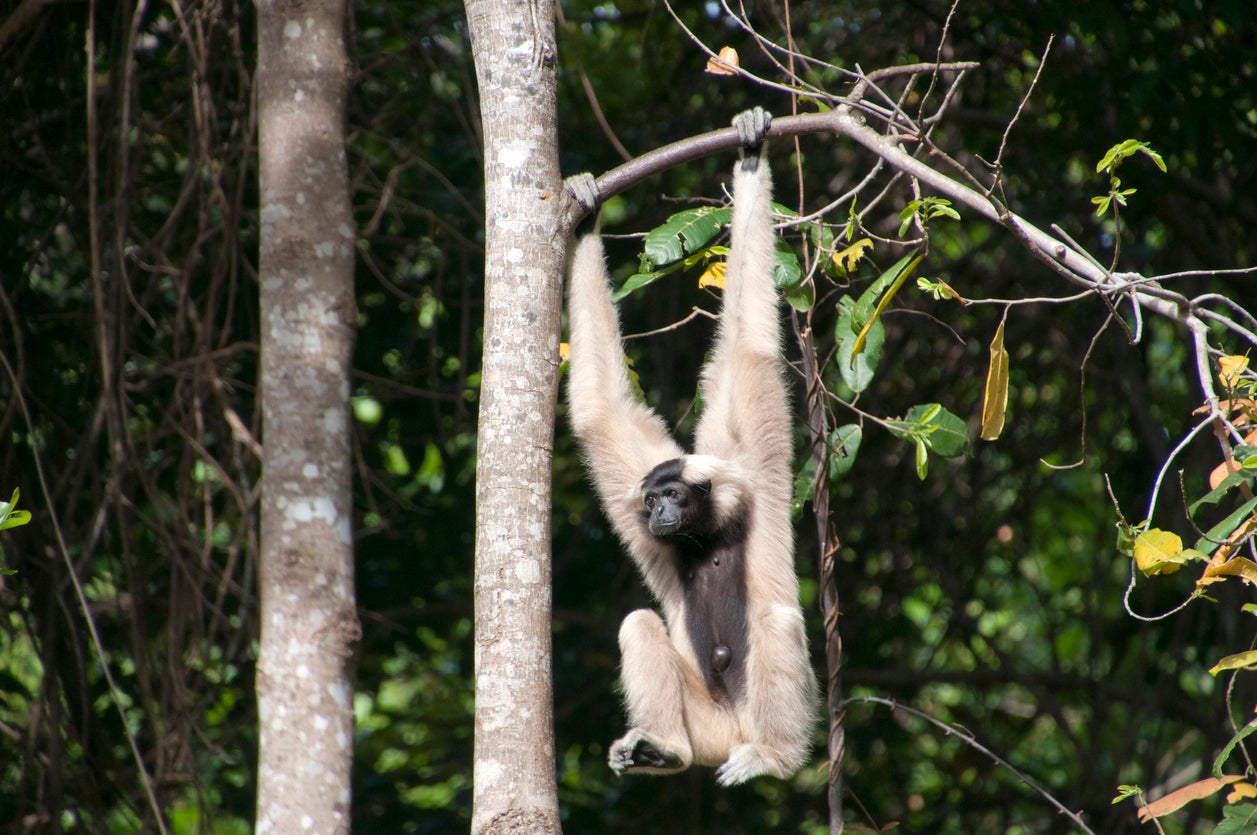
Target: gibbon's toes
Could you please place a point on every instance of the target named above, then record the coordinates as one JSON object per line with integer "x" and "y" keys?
{"x": 752, "y": 126}
{"x": 745, "y": 762}
{"x": 636, "y": 751}
{"x": 584, "y": 189}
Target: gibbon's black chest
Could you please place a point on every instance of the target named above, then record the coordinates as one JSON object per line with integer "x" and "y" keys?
{"x": 714, "y": 580}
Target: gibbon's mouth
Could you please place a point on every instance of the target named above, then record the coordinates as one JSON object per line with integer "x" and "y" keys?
{"x": 665, "y": 528}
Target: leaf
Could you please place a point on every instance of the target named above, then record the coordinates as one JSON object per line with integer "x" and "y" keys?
{"x": 1238, "y": 661}
{"x": 843, "y": 443}
{"x": 684, "y": 233}
{"x": 787, "y": 273}
{"x": 939, "y": 289}
{"x": 11, "y": 518}
{"x": 800, "y": 298}
{"x": 1220, "y": 472}
{"x": 899, "y": 274}
{"x": 1220, "y": 761}
{"x": 1176, "y": 800}
{"x": 1237, "y": 819}
{"x": 1241, "y": 567}
{"x": 933, "y": 426}
{"x": 1158, "y": 552}
{"x": 1230, "y": 532}
{"x": 725, "y": 63}
{"x": 856, "y": 370}
{"x": 1240, "y": 476}
{"x": 636, "y": 282}
{"x": 1231, "y": 369}
{"x": 1125, "y": 792}
{"x": 923, "y": 460}
{"x": 714, "y": 276}
{"x": 995, "y": 395}
{"x": 848, "y": 258}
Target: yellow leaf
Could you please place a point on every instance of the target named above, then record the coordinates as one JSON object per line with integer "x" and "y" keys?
{"x": 1176, "y": 800}
{"x": 1241, "y": 791}
{"x": 1231, "y": 368}
{"x": 1235, "y": 662}
{"x": 714, "y": 276}
{"x": 565, "y": 352}
{"x": 849, "y": 257}
{"x": 726, "y": 63}
{"x": 1160, "y": 552}
{"x": 995, "y": 397}
{"x": 1241, "y": 567}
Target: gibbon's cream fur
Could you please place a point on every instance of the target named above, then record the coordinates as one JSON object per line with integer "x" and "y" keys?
{"x": 724, "y": 678}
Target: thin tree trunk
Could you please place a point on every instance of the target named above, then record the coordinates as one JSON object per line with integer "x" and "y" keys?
{"x": 514, "y": 783}
{"x": 309, "y": 620}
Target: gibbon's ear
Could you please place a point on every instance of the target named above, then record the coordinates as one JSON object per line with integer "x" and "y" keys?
{"x": 730, "y": 485}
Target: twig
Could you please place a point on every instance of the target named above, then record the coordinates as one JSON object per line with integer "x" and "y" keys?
{"x": 968, "y": 738}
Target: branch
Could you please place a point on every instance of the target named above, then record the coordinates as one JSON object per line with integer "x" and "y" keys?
{"x": 1061, "y": 256}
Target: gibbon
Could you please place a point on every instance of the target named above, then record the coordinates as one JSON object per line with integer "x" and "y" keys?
{"x": 723, "y": 679}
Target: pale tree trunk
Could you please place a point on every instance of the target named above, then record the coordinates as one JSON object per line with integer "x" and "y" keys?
{"x": 514, "y": 49}
{"x": 309, "y": 621}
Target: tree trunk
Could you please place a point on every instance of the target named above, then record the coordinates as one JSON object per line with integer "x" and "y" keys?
{"x": 514, "y": 49}
{"x": 309, "y": 621}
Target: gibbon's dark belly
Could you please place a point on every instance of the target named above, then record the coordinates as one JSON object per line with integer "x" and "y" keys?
{"x": 715, "y": 606}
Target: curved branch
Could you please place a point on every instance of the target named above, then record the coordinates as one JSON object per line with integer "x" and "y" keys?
{"x": 1062, "y": 257}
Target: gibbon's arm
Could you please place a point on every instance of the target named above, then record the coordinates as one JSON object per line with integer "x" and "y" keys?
{"x": 623, "y": 439}
{"x": 746, "y": 412}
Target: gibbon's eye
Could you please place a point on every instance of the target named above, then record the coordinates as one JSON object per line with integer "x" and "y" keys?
{"x": 672, "y": 494}
{"x": 649, "y": 500}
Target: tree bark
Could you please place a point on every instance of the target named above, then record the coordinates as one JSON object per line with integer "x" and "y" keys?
{"x": 309, "y": 621}
{"x": 514, "y": 49}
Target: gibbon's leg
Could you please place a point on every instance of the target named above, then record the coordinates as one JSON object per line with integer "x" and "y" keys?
{"x": 780, "y": 710}
{"x": 622, "y": 438}
{"x": 654, "y": 692}
{"x": 674, "y": 722}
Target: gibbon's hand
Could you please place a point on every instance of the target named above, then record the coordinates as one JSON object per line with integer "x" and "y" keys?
{"x": 584, "y": 190}
{"x": 752, "y": 127}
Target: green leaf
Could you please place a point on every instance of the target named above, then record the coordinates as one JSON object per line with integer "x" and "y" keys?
{"x": 895, "y": 277}
{"x": 1216, "y": 535}
{"x": 1238, "y": 661}
{"x": 787, "y": 273}
{"x": 800, "y": 298}
{"x": 1124, "y": 792}
{"x": 944, "y": 432}
{"x": 1237, "y": 819}
{"x": 923, "y": 459}
{"x": 1220, "y": 761}
{"x": 856, "y": 370}
{"x": 684, "y": 234}
{"x": 10, "y": 517}
{"x": 1244, "y": 475}
{"x": 843, "y": 443}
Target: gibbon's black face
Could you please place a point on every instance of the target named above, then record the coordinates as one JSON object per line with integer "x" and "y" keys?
{"x": 675, "y": 508}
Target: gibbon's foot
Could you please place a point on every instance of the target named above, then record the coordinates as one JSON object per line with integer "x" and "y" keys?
{"x": 584, "y": 189}
{"x": 639, "y": 751}
{"x": 752, "y": 127}
{"x": 746, "y": 762}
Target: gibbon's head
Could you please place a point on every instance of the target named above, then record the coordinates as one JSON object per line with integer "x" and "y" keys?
{"x": 694, "y": 495}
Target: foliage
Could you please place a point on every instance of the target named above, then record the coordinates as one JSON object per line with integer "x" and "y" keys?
{"x": 984, "y": 594}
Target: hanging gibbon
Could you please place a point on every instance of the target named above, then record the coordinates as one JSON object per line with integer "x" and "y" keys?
{"x": 723, "y": 678}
